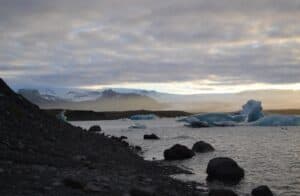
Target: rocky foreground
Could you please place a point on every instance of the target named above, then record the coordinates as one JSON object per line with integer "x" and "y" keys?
{"x": 40, "y": 155}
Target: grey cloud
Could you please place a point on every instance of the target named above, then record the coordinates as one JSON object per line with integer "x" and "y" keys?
{"x": 74, "y": 43}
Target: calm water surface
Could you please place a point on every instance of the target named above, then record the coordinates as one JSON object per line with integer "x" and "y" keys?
{"x": 269, "y": 155}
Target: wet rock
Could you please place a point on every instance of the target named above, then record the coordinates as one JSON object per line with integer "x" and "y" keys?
{"x": 225, "y": 170}
{"x": 123, "y": 137}
{"x": 178, "y": 152}
{"x": 138, "y": 191}
{"x": 125, "y": 143}
{"x": 222, "y": 192}
{"x": 262, "y": 191}
{"x": 138, "y": 148}
{"x": 202, "y": 147}
{"x": 74, "y": 183}
{"x": 151, "y": 137}
{"x": 95, "y": 128}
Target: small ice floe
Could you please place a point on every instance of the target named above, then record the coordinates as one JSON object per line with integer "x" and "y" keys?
{"x": 137, "y": 126}
{"x": 250, "y": 115}
{"x": 143, "y": 117}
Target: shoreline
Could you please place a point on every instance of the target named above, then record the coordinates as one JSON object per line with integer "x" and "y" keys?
{"x": 40, "y": 155}
{"x": 80, "y": 115}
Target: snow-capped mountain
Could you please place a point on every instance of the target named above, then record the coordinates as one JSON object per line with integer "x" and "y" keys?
{"x": 108, "y": 100}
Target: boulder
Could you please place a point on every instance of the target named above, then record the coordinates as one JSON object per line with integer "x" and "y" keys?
{"x": 151, "y": 137}
{"x": 202, "y": 147}
{"x": 74, "y": 183}
{"x": 138, "y": 148}
{"x": 123, "y": 137}
{"x": 178, "y": 152}
{"x": 139, "y": 191}
{"x": 222, "y": 192}
{"x": 262, "y": 191}
{"x": 225, "y": 170}
{"x": 95, "y": 128}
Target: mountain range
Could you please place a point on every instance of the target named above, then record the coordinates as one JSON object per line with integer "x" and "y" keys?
{"x": 121, "y": 99}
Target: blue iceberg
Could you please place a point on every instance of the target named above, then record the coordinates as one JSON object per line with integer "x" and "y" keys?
{"x": 143, "y": 117}
{"x": 278, "y": 120}
{"x": 251, "y": 114}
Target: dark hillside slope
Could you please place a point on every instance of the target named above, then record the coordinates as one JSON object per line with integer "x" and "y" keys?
{"x": 40, "y": 155}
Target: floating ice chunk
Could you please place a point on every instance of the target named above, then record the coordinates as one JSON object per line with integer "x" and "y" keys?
{"x": 278, "y": 120}
{"x": 137, "y": 126}
{"x": 210, "y": 119}
{"x": 143, "y": 117}
{"x": 251, "y": 114}
{"x": 252, "y": 111}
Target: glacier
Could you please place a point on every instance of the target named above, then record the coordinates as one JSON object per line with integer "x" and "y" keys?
{"x": 250, "y": 115}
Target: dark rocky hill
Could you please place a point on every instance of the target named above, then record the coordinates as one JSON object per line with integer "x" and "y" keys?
{"x": 40, "y": 155}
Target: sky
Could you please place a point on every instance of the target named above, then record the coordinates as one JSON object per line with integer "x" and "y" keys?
{"x": 175, "y": 46}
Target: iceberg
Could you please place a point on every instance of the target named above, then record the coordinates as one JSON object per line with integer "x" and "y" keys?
{"x": 278, "y": 120}
{"x": 143, "y": 117}
{"x": 250, "y": 115}
{"x": 137, "y": 126}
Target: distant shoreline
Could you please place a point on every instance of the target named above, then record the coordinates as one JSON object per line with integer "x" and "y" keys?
{"x": 284, "y": 111}
{"x": 80, "y": 115}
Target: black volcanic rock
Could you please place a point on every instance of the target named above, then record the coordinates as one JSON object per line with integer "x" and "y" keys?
{"x": 178, "y": 152}
{"x": 40, "y": 155}
{"x": 262, "y": 191}
{"x": 221, "y": 192}
{"x": 202, "y": 147}
{"x": 95, "y": 128}
{"x": 225, "y": 170}
{"x": 151, "y": 137}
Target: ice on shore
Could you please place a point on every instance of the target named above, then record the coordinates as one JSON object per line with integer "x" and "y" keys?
{"x": 251, "y": 114}
{"x": 143, "y": 117}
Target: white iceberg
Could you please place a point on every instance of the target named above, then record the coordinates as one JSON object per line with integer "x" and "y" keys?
{"x": 251, "y": 114}
{"x": 137, "y": 126}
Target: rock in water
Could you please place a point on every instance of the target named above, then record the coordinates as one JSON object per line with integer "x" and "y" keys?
{"x": 262, "y": 191}
{"x": 151, "y": 137}
{"x": 225, "y": 170}
{"x": 222, "y": 192}
{"x": 95, "y": 128}
{"x": 178, "y": 152}
{"x": 202, "y": 147}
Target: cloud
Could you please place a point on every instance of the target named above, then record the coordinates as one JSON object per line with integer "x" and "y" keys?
{"x": 80, "y": 43}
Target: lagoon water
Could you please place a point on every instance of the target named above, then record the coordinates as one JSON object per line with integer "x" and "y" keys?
{"x": 269, "y": 155}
